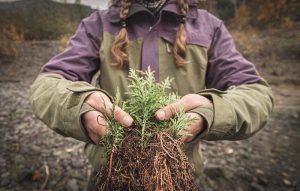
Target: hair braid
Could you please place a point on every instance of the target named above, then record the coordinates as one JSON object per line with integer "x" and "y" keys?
{"x": 119, "y": 47}
{"x": 181, "y": 36}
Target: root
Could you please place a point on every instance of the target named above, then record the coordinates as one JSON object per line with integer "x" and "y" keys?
{"x": 109, "y": 170}
{"x": 161, "y": 165}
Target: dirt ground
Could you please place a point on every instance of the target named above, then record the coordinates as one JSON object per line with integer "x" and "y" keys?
{"x": 270, "y": 160}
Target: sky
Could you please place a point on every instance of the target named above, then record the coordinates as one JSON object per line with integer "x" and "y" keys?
{"x": 95, "y": 4}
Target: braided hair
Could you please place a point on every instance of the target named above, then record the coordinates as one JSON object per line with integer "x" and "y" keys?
{"x": 179, "y": 49}
{"x": 120, "y": 45}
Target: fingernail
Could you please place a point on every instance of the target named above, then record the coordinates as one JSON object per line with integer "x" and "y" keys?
{"x": 160, "y": 114}
{"x": 127, "y": 121}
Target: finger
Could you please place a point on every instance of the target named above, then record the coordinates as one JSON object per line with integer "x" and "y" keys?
{"x": 192, "y": 130}
{"x": 98, "y": 100}
{"x": 104, "y": 105}
{"x": 168, "y": 111}
{"x": 187, "y": 103}
{"x": 119, "y": 115}
{"x": 122, "y": 117}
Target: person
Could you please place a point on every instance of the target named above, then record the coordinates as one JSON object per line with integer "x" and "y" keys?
{"x": 219, "y": 87}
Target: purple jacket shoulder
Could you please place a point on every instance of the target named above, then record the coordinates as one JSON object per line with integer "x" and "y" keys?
{"x": 226, "y": 66}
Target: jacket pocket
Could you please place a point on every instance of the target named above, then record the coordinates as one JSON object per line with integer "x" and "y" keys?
{"x": 84, "y": 87}
{"x": 192, "y": 39}
{"x": 198, "y": 39}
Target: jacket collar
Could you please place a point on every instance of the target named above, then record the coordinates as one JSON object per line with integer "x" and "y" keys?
{"x": 136, "y": 8}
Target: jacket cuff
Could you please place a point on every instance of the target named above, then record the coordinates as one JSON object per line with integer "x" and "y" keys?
{"x": 73, "y": 114}
{"x": 207, "y": 112}
{"x": 84, "y": 109}
{"x": 76, "y": 107}
{"x": 219, "y": 117}
{"x": 223, "y": 115}
{"x": 59, "y": 103}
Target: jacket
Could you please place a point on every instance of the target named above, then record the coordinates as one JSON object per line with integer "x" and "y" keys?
{"x": 242, "y": 100}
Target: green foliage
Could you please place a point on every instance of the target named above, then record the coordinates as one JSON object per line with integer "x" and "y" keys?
{"x": 145, "y": 98}
{"x": 115, "y": 131}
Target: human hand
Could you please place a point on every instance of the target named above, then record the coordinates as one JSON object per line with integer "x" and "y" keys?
{"x": 187, "y": 102}
{"x": 95, "y": 123}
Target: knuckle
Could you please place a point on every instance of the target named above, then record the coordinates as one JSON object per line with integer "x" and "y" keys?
{"x": 171, "y": 110}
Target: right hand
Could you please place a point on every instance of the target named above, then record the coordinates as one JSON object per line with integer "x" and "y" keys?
{"x": 96, "y": 126}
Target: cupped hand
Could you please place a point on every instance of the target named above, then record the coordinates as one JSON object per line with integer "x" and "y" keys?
{"x": 95, "y": 123}
{"x": 187, "y": 102}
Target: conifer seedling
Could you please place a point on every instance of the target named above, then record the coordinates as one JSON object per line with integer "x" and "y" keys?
{"x": 135, "y": 154}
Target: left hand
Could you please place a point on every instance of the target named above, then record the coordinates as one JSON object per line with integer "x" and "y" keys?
{"x": 187, "y": 102}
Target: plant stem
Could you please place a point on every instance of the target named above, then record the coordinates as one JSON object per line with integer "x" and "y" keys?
{"x": 109, "y": 169}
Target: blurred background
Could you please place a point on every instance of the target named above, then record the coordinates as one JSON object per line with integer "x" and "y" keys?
{"x": 32, "y": 157}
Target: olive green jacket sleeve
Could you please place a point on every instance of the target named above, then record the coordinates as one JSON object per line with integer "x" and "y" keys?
{"x": 236, "y": 113}
{"x": 59, "y": 103}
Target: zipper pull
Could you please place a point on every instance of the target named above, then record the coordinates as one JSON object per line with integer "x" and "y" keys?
{"x": 150, "y": 28}
{"x": 168, "y": 48}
